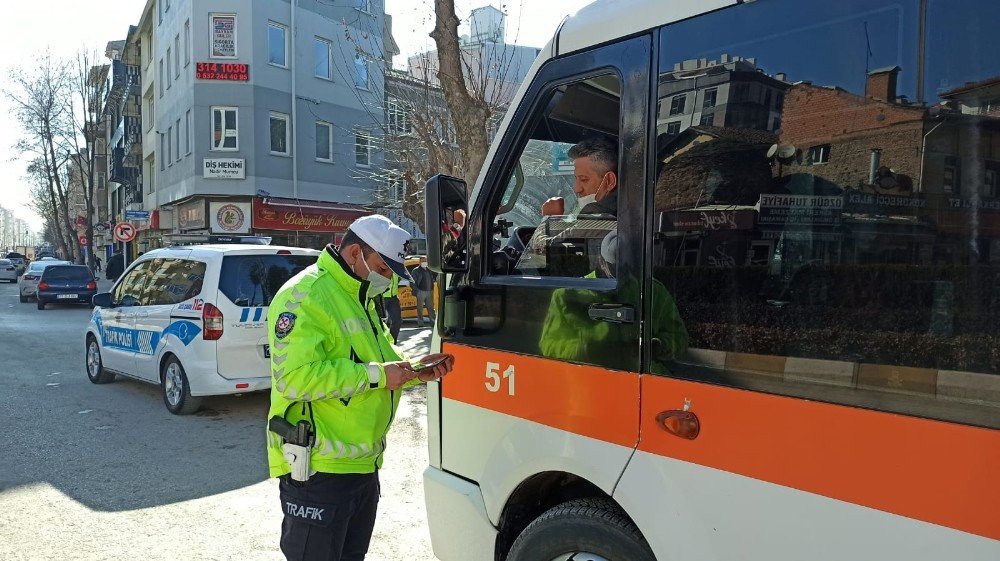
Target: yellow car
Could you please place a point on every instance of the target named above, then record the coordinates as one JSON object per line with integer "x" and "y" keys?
{"x": 407, "y": 301}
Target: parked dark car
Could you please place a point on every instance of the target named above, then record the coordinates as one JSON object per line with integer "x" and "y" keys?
{"x": 66, "y": 283}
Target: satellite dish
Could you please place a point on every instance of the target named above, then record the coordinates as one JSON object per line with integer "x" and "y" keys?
{"x": 786, "y": 154}
{"x": 772, "y": 152}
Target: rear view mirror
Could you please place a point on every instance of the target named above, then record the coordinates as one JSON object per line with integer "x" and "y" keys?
{"x": 103, "y": 300}
{"x": 446, "y": 210}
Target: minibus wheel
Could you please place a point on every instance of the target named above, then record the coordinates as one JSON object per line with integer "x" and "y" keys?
{"x": 581, "y": 530}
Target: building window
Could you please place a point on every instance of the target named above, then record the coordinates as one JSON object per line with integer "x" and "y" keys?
{"x": 397, "y": 119}
{"x": 322, "y": 67}
{"x": 187, "y": 43}
{"x": 187, "y": 129}
{"x": 674, "y": 127}
{"x": 324, "y": 141}
{"x": 102, "y": 181}
{"x": 991, "y": 179}
{"x": 163, "y": 150}
{"x": 711, "y": 96}
{"x": 819, "y": 154}
{"x": 677, "y": 104}
{"x": 397, "y": 188}
{"x": 951, "y": 180}
{"x": 177, "y": 55}
{"x": 170, "y": 145}
{"x": 741, "y": 92}
{"x": 177, "y": 140}
{"x": 225, "y": 133}
{"x": 280, "y": 124}
{"x": 363, "y": 5}
{"x": 360, "y": 72}
{"x": 161, "y": 78}
{"x": 277, "y": 44}
{"x": 363, "y": 149}
{"x": 707, "y": 119}
{"x": 166, "y": 76}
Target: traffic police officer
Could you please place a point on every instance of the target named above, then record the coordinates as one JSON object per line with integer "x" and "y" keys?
{"x": 337, "y": 378}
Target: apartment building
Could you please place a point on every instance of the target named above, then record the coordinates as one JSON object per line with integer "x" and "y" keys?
{"x": 226, "y": 150}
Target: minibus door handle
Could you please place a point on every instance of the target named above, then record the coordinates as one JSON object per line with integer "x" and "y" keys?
{"x": 614, "y": 313}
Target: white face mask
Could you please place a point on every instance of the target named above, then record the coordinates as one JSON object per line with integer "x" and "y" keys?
{"x": 377, "y": 284}
{"x": 587, "y": 199}
{"x": 423, "y": 265}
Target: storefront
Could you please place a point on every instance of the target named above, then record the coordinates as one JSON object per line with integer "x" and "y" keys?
{"x": 309, "y": 224}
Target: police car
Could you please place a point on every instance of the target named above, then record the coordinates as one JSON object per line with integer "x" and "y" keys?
{"x": 192, "y": 319}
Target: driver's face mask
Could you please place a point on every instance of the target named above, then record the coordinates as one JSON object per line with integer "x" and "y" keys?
{"x": 587, "y": 199}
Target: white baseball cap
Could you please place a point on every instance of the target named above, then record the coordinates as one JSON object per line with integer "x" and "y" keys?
{"x": 385, "y": 238}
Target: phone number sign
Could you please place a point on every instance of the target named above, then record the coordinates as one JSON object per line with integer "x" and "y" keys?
{"x": 232, "y": 72}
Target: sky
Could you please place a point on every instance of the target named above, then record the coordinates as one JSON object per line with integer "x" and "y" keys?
{"x": 64, "y": 27}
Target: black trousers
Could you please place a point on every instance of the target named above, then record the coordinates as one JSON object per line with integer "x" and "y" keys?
{"x": 394, "y": 316}
{"x": 328, "y": 518}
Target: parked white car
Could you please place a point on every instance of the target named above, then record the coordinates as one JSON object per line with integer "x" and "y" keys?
{"x": 27, "y": 285}
{"x": 192, "y": 319}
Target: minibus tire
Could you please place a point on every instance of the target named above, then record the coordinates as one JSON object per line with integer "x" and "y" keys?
{"x": 185, "y": 403}
{"x": 595, "y": 526}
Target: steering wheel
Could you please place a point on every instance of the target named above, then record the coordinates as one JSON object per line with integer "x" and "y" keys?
{"x": 505, "y": 259}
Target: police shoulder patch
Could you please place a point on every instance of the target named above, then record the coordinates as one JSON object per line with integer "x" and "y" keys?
{"x": 284, "y": 325}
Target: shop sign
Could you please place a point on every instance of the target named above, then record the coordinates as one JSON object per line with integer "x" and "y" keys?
{"x": 223, "y": 36}
{"x": 802, "y": 210}
{"x": 290, "y": 217}
{"x": 707, "y": 220}
{"x": 230, "y": 218}
{"x": 231, "y": 72}
{"x": 224, "y": 168}
{"x": 191, "y": 215}
{"x": 857, "y": 198}
{"x": 979, "y": 204}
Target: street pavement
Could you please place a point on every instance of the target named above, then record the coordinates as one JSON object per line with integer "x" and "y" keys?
{"x": 92, "y": 472}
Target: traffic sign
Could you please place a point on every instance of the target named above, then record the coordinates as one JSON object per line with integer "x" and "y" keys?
{"x": 136, "y": 215}
{"x": 124, "y": 232}
{"x": 83, "y": 241}
{"x": 100, "y": 227}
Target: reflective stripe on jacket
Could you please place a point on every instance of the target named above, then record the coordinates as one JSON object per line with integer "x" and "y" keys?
{"x": 327, "y": 349}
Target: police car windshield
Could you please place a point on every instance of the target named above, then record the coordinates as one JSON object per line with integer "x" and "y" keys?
{"x": 252, "y": 280}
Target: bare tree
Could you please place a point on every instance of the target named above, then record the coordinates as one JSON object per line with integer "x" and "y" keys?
{"x": 89, "y": 89}
{"x": 43, "y": 104}
{"x": 435, "y": 118}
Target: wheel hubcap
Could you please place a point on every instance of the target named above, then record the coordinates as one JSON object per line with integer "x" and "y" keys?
{"x": 93, "y": 359}
{"x": 580, "y": 556}
{"x": 172, "y": 384}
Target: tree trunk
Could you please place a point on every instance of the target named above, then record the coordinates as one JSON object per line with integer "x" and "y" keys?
{"x": 469, "y": 114}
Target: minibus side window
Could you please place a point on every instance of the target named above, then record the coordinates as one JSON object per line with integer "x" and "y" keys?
{"x": 129, "y": 292}
{"x": 557, "y": 216}
{"x": 826, "y": 205}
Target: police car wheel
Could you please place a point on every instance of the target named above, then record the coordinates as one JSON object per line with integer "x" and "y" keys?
{"x": 581, "y": 530}
{"x": 22, "y": 298}
{"x": 176, "y": 390}
{"x": 95, "y": 366}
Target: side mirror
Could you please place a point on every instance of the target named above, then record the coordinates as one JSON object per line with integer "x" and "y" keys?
{"x": 446, "y": 212}
{"x": 103, "y": 300}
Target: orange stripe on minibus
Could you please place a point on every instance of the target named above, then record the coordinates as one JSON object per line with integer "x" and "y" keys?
{"x": 584, "y": 400}
{"x": 938, "y": 472}
{"x": 943, "y": 473}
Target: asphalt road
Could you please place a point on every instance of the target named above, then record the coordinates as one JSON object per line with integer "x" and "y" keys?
{"x": 93, "y": 472}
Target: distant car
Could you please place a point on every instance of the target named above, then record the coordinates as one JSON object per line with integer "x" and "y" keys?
{"x": 8, "y": 271}
{"x": 28, "y": 283}
{"x": 66, "y": 284}
{"x": 192, "y": 319}
{"x": 19, "y": 261}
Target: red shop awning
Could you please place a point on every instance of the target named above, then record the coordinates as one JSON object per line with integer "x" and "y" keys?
{"x": 303, "y": 216}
